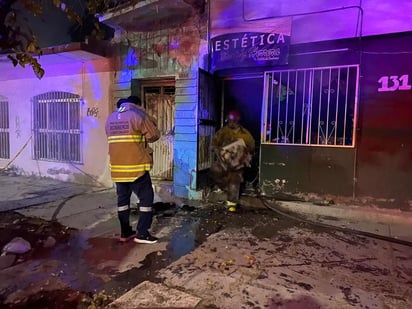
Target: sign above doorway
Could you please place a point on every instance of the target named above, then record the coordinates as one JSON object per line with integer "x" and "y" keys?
{"x": 238, "y": 42}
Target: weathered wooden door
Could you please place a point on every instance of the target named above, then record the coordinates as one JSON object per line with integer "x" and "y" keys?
{"x": 159, "y": 102}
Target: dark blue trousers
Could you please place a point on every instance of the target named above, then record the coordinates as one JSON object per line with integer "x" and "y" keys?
{"x": 143, "y": 189}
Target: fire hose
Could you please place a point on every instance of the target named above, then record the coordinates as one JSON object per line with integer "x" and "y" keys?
{"x": 337, "y": 228}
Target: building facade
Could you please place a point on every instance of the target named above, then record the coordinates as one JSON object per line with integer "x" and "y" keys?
{"x": 53, "y": 127}
{"x": 323, "y": 88}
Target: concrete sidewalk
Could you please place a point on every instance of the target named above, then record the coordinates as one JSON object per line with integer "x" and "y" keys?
{"x": 393, "y": 223}
{"x": 68, "y": 202}
{"x": 18, "y": 192}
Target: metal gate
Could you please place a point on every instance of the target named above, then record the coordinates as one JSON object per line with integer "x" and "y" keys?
{"x": 207, "y": 120}
{"x": 315, "y": 106}
{"x": 159, "y": 101}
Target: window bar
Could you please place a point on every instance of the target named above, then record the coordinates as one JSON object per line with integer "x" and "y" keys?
{"x": 43, "y": 129}
{"x": 270, "y": 118}
{"x": 294, "y": 105}
{"x": 53, "y": 127}
{"x": 74, "y": 114}
{"x": 59, "y": 146}
{"x": 305, "y": 105}
{"x": 266, "y": 108}
{"x": 319, "y": 106}
{"x": 338, "y": 90}
{"x": 63, "y": 145}
{"x": 272, "y": 109}
{"x": 74, "y": 129}
{"x": 53, "y": 120}
{"x": 58, "y": 112}
{"x": 346, "y": 106}
{"x": 47, "y": 133}
{"x": 328, "y": 108}
{"x": 278, "y": 89}
{"x": 66, "y": 154}
{"x": 38, "y": 122}
{"x": 51, "y": 131}
{"x": 355, "y": 106}
{"x": 42, "y": 126}
{"x": 285, "y": 138}
{"x": 62, "y": 149}
{"x": 67, "y": 139}
{"x": 312, "y": 90}
{"x": 34, "y": 126}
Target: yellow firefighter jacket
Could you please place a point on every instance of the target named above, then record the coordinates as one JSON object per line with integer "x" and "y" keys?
{"x": 232, "y": 154}
{"x": 128, "y": 130}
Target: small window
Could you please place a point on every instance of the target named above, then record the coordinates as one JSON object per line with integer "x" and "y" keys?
{"x": 311, "y": 106}
{"x": 4, "y": 129}
{"x": 56, "y": 127}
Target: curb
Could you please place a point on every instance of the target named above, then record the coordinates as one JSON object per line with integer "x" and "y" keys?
{"x": 376, "y": 215}
{"x": 155, "y": 295}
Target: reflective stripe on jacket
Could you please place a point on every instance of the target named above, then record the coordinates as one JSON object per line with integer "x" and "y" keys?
{"x": 128, "y": 130}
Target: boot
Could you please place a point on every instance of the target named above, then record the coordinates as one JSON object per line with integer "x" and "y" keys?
{"x": 231, "y": 206}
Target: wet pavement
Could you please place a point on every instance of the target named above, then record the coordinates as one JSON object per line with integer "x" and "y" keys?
{"x": 296, "y": 267}
{"x": 79, "y": 266}
{"x": 255, "y": 258}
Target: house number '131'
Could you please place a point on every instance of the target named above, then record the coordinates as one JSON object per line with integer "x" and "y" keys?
{"x": 393, "y": 83}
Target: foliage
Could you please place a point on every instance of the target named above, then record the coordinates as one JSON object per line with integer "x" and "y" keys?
{"x": 21, "y": 44}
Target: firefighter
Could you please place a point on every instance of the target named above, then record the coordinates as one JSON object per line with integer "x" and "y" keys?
{"x": 234, "y": 146}
{"x": 128, "y": 130}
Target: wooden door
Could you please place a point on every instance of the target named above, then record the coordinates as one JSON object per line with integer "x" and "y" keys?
{"x": 159, "y": 102}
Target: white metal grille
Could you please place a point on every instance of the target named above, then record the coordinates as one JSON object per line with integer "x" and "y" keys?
{"x": 4, "y": 129}
{"x": 56, "y": 127}
{"x": 315, "y": 106}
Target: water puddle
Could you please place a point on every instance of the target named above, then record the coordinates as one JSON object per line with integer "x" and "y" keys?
{"x": 84, "y": 270}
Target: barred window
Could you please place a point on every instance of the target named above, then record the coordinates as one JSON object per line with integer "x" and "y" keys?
{"x": 4, "y": 129}
{"x": 314, "y": 106}
{"x": 56, "y": 127}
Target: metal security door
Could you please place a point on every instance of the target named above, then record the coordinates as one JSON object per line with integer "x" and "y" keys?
{"x": 159, "y": 102}
{"x": 208, "y": 121}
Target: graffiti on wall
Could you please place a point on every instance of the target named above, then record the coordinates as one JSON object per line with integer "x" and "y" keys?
{"x": 18, "y": 129}
{"x": 92, "y": 112}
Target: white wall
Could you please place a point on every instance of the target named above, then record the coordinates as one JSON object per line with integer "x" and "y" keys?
{"x": 92, "y": 81}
